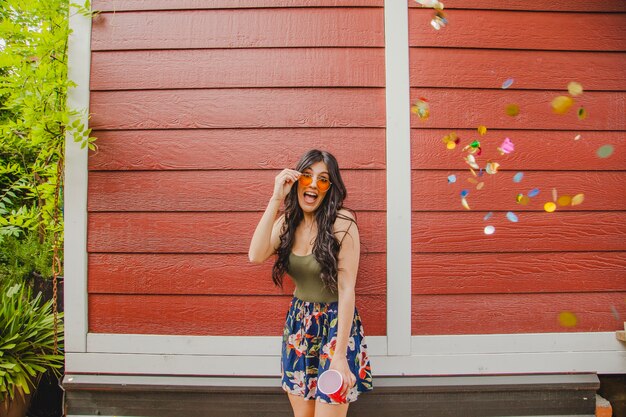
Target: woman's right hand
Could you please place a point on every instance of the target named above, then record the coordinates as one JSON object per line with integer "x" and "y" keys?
{"x": 283, "y": 183}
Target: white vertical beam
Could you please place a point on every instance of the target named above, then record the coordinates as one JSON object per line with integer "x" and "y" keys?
{"x": 398, "y": 178}
{"x": 75, "y": 189}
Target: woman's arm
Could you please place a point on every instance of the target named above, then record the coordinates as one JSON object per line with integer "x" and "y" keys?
{"x": 348, "y": 265}
{"x": 266, "y": 236}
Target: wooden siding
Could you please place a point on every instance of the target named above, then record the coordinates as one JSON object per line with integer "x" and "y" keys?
{"x": 195, "y": 112}
{"x": 521, "y": 278}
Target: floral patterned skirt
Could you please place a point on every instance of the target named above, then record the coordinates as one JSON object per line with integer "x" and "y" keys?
{"x": 309, "y": 340}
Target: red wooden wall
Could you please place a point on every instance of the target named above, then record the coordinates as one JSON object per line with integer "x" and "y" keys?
{"x": 522, "y": 277}
{"x": 196, "y": 106}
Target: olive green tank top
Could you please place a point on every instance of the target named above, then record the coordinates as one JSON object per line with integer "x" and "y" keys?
{"x": 305, "y": 272}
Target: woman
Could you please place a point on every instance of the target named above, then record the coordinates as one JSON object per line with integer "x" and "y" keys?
{"x": 316, "y": 241}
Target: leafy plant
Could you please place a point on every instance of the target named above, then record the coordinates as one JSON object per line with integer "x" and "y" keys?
{"x": 26, "y": 341}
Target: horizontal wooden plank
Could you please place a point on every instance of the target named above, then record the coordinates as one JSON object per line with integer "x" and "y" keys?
{"x": 228, "y": 68}
{"x": 354, "y": 148}
{"x": 214, "y": 190}
{"x": 199, "y": 232}
{"x": 603, "y": 191}
{"x": 512, "y": 273}
{"x": 549, "y": 70}
{"x": 240, "y": 108}
{"x": 538, "y": 5}
{"x": 535, "y": 232}
{"x": 242, "y": 28}
{"x": 456, "y": 108}
{"x": 204, "y": 274}
{"x": 209, "y": 315}
{"x": 520, "y": 30}
{"x": 122, "y": 5}
{"x": 534, "y": 150}
{"x": 515, "y": 313}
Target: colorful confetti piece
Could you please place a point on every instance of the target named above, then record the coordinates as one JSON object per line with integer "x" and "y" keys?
{"x": 464, "y": 204}
{"x": 605, "y": 151}
{"x": 421, "y": 108}
{"x": 549, "y": 207}
{"x": 574, "y": 88}
{"x": 488, "y": 216}
{"x": 489, "y": 230}
{"x": 564, "y": 200}
{"x": 518, "y": 177}
{"x": 522, "y": 199}
{"x": 578, "y": 199}
{"x": 577, "y": 137}
{"x": 561, "y": 104}
{"x": 482, "y": 130}
{"x": 534, "y": 192}
{"x": 451, "y": 140}
{"x": 512, "y": 110}
{"x": 507, "y": 83}
{"x": 567, "y": 319}
{"x": 492, "y": 167}
{"x": 582, "y": 113}
{"x": 506, "y": 147}
{"x": 511, "y": 217}
{"x": 451, "y": 179}
{"x": 464, "y": 193}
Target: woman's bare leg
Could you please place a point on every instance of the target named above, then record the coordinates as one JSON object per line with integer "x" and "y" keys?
{"x": 301, "y": 408}
{"x": 330, "y": 410}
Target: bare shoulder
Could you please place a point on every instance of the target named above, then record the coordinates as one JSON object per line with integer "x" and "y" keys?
{"x": 345, "y": 221}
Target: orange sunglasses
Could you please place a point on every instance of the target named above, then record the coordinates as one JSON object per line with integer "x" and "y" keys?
{"x": 323, "y": 184}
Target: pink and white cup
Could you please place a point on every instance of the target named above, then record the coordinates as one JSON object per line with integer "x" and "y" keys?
{"x": 330, "y": 383}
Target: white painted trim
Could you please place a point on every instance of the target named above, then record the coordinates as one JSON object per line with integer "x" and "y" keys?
{"x": 398, "y": 146}
{"x": 417, "y": 365}
{"x": 71, "y": 380}
{"x": 201, "y": 345}
{"x": 432, "y": 355}
{"x": 75, "y": 189}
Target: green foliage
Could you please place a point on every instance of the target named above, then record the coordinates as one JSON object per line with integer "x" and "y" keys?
{"x": 26, "y": 340}
{"x": 21, "y": 257}
{"x": 34, "y": 117}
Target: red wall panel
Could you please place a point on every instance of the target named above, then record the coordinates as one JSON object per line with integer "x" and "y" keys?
{"x": 521, "y": 277}
{"x": 197, "y": 106}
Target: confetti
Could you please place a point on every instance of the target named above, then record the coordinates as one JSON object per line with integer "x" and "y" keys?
{"x": 464, "y": 193}
{"x": 492, "y": 167}
{"x": 436, "y": 4}
{"x": 439, "y": 21}
{"x": 451, "y": 179}
{"x": 561, "y": 104}
{"x": 534, "y": 192}
{"x": 549, "y": 207}
{"x": 488, "y": 216}
{"x": 471, "y": 161}
{"x": 522, "y": 199}
{"x": 582, "y": 113}
{"x": 472, "y": 180}
{"x": 578, "y": 199}
{"x": 605, "y": 151}
{"x": 567, "y": 319}
{"x": 554, "y": 195}
{"x": 574, "y": 88}
{"x": 480, "y": 185}
{"x": 482, "y": 130}
{"x": 506, "y": 147}
{"x": 464, "y": 204}
{"x": 518, "y": 177}
{"x": 564, "y": 200}
{"x": 512, "y": 110}
{"x": 507, "y": 83}
{"x": 577, "y": 137}
{"x": 489, "y": 230}
{"x": 511, "y": 217}
{"x": 421, "y": 108}
{"x": 615, "y": 313}
{"x": 473, "y": 148}
{"x": 451, "y": 140}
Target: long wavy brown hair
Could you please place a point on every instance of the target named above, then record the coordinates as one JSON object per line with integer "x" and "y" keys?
{"x": 326, "y": 246}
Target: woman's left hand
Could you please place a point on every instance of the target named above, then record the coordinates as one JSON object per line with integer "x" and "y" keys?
{"x": 340, "y": 364}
